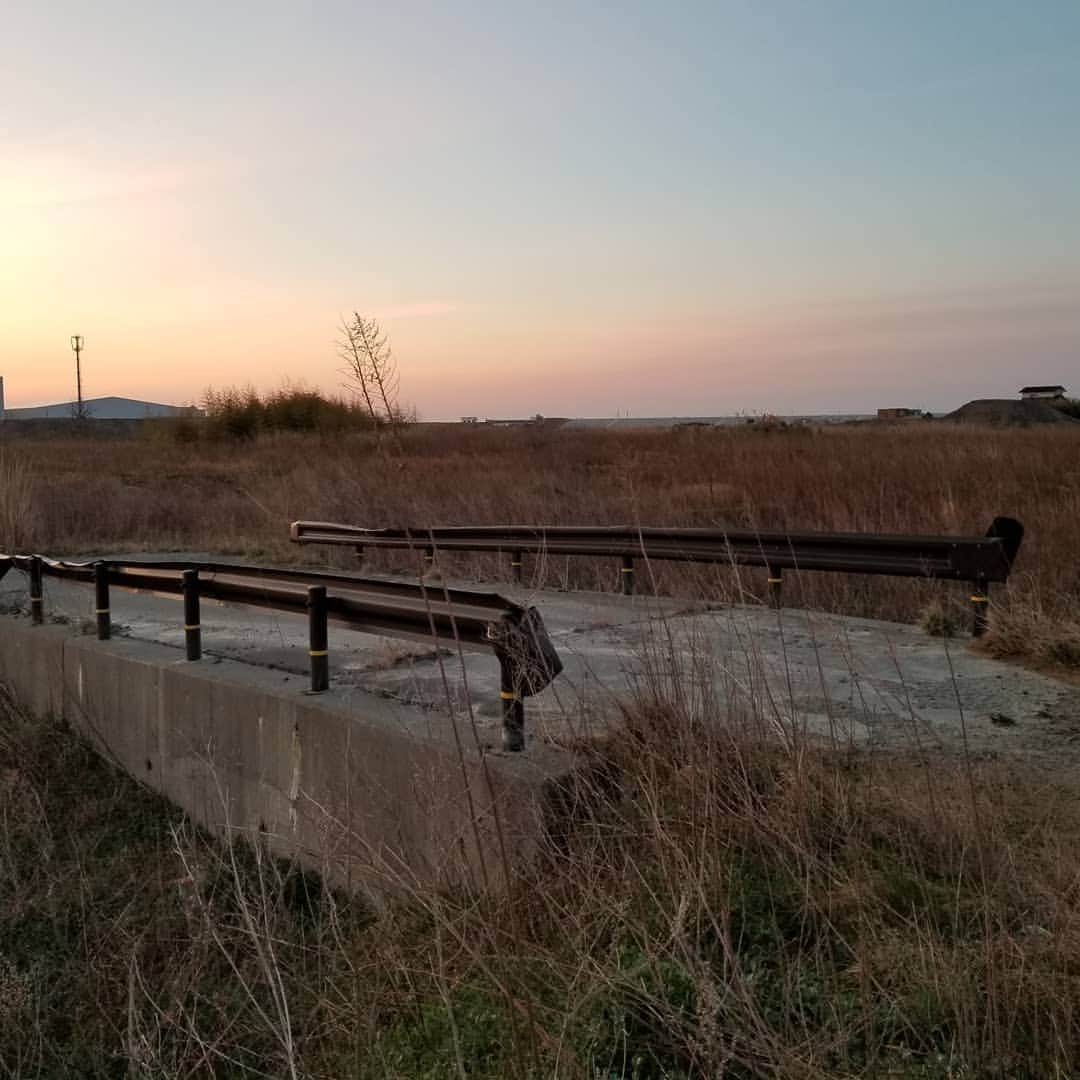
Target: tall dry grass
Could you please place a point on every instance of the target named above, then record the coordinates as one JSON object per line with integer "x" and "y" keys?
{"x": 19, "y": 507}
{"x": 230, "y": 497}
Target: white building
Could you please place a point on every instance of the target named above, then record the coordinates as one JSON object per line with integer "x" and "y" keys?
{"x": 103, "y": 408}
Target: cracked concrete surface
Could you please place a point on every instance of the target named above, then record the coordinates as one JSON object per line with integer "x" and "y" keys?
{"x": 798, "y": 673}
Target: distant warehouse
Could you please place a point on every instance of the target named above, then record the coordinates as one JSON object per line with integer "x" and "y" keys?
{"x": 103, "y": 408}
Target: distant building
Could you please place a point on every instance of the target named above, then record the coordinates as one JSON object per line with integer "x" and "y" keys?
{"x": 631, "y": 423}
{"x": 897, "y": 414}
{"x": 536, "y": 419}
{"x": 103, "y": 408}
{"x": 1051, "y": 392}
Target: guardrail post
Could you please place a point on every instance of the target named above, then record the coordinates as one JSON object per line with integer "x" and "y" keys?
{"x": 776, "y": 584}
{"x": 980, "y": 605}
{"x": 101, "y": 601}
{"x": 515, "y": 566}
{"x": 429, "y": 558}
{"x": 360, "y": 553}
{"x": 37, "y": 607}
{"x": 192, "y": 625}
{"x": 627, "y": 575}
{"x": 513, "y": 706}
{"x": 318, "y": 641}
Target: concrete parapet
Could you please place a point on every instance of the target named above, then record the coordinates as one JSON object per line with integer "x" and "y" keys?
{"x": 376, "y": 795}
{"x": 32, "y": 664}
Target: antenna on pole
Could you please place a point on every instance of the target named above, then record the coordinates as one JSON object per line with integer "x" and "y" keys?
{"x": 77, "y": 346}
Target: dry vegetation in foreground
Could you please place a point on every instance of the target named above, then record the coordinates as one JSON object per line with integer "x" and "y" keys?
{"x": 740, "y": 910}
{"x": 738, "y": 907}
{"x": 173, "y": 490}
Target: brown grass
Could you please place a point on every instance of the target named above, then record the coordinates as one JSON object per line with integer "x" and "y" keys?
{"x": 736, "y": 910}
{"x": 211, "y": 496}
{"x": 741, "y": 906}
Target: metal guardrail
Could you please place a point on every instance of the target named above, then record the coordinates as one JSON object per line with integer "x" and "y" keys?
{"x": 527, "y": 660}
{"x": 976, "y": 560}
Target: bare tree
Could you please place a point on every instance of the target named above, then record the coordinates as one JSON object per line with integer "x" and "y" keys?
{"x": 351, "y": 352}
{"x": 371, "y": 369}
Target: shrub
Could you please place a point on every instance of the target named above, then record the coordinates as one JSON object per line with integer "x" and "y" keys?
{"x": 244, "y": 414}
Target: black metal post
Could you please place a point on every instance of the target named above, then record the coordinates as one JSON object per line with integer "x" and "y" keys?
{"x": 192, "y": 625}
{"x": 980, "y": 606}
{"x": 429, "y": 558}
{"x": 776, "y": 584}
{"x": 513, "y": 707}
{"x": 318, "y": 641}
{"x": 101, "y": 598}
{"x": 515, "y": 566}
{"x": 360, "y": 553}
{"x": 37, "y": 608}
{"x": 627, "y": 575}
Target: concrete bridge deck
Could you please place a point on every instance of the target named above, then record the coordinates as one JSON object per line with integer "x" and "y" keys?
{"x": 793, "y": 672}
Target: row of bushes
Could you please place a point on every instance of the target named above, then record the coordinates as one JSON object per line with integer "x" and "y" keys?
{"x": 243, "y": 414}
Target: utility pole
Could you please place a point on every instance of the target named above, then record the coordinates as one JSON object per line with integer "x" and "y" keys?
{"x": 77, "y": 346}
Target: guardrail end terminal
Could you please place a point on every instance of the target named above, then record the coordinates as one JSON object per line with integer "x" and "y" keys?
{"x": 528, "y": 662}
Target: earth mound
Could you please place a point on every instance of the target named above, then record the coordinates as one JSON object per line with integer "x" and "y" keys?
{"x": 1008, "y": 412}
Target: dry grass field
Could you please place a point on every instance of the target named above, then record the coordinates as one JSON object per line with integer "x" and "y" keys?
{"x": 164, "y": 492}
{"x": 734, "y": 908}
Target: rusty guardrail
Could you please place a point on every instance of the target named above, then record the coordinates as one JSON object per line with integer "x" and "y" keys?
{"x": 978, "y": 560}
{"x": 513, "y": 632}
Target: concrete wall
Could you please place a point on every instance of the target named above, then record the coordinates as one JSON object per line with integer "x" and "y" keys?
{"x": 374, "y": 795}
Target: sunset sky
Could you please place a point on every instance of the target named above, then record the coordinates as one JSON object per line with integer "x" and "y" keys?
{"x": 573, "y": 209}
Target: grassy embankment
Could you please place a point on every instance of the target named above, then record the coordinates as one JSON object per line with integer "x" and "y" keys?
{"x": 740, "y": 911}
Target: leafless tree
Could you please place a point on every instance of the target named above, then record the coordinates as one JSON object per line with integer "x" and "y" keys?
{"x": 371, "y": 369}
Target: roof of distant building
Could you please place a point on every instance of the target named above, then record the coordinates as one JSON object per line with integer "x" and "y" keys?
{"x": 102, "y": 408}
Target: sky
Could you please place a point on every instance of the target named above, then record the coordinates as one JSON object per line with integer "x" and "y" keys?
{"x": 575, "y": 209}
